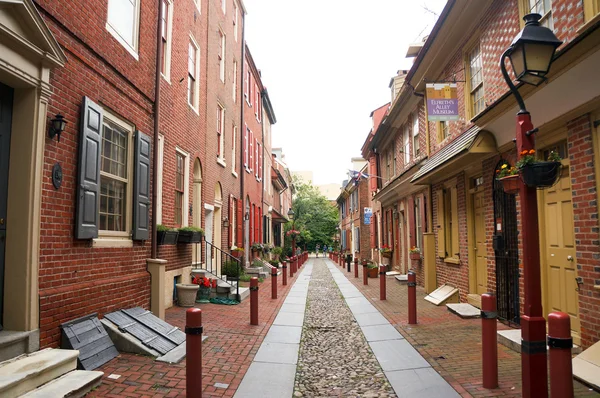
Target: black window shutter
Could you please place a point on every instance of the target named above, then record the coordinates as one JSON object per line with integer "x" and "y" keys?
{"x": 88, "y": 190}
{"x": 141, "y": 188}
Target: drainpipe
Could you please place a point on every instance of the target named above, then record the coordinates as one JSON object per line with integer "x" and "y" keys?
{"x": 154, "y": 250}
{"x": 242, "y": 132}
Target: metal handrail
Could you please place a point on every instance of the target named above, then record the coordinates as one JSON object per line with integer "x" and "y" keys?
{"x": 214, "y": 260}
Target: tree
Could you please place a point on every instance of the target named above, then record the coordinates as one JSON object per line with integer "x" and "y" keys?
{"x": 315, "y": 217}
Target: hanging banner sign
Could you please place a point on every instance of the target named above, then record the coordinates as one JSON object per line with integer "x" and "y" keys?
{"x": 442, "y": 102}
{"x": 368, "y": 214}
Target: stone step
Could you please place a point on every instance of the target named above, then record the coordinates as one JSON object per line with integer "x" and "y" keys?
{"x": 27, "y": 372}
{"x": 13, "y": 344}
{"x": 463, "y": 310}
{"x": 511, "y": 338}
{"x": 74, "y": 384}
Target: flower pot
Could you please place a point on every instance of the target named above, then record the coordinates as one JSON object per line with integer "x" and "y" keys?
{"x": 186, "y": 294}
{"x": 372, "y": 272}
{"x": 166, "y": 237}
{"x": 540, "y": 174}
{"x": 203, "y": 295}
{"x": 510, "y": 184}
{"x": 415, "y": 256}
{"x": 189, "y": 237}
{"x": 236, "y": 253}
{"x": 386, "y": 254}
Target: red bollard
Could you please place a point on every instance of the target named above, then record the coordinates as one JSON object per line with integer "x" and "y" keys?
{"x": 560, "y": 344}
{"x": 284, "y": 272}
{"x": 382, "y": 281}
{"x": 254, "y": 301}
{"x": 412, "y": 298}
{"x": 193, "y": 352}
{"x": 292, "y": 267}
{"x": 295, "y": 264}
{"x": 273, "y": 283}
{"x": 489, "y": 340}
{"x": 356, "y": 267}
{"x": 365, "y": 277}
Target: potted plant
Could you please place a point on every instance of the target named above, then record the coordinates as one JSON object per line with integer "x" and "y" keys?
{"x": 509, "y": 178}
{"x": 166, "y": 235}
{"x": 256, "y": 249}
{"x": 203, "y": 294}
{"x": 386, "y": 251}
{"x": 237, "y": 252}
{"x": 232, "y": 269}
{"x": 190, "y": 235}
{"x": 415, "y": 253}
{"x": 372, "y": 270}
{"x": 186, "y": 294}
{"x": 539, "y": 174}
{"x": 277, "y": 252}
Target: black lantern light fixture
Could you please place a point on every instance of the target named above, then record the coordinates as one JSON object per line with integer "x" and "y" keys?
{"x": 291, "y": 214}
{"x": 226, "y": 222}
{"x": 57, "y": 126}
{"x": 247, "y": 216}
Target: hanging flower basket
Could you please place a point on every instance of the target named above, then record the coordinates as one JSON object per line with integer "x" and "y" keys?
{"x": 415, "y": 256}
{"x": 510, "y": 184}
{"x": 387, "y": 254}
{"x": 540, "y": 174}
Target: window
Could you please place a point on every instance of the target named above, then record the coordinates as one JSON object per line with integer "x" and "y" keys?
{"x": 406, "y": 148}
{"x": 221, "y": 55}
{"x": 475, "y": 82}
{"x": 246, "y": 148}
{"x": 114, "y": 177}
{"x": 224, "y": 6}
{"x": 166, "y": 29}
{"x": 233, "y": 147}
{"x": 542, "y": 7}
{"x": 418, "y": 224}
{"x": 220, "y": 132}
{"x": 235, "y": 80}
{"x": 123, "y": 23}
{"x": 235, "y": 21}
{"x": 247, "y": 83}
{"x": 447, "y": 212}
{"x": 256, "y": 156}
{"x": 388, "y": 165}
{"x": 256, "y": 103}
{"x": 179, "y": 188}
{"x": 193, "y": 72}
{"x": 416, "y": 145}
{"x": 251, "y": 150}
{"x": 443, "y": 129}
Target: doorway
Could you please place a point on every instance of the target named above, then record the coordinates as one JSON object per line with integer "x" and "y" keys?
{"x": 506, "y": 251}
{"x": 6, "y": 104}
{"x": 481, "y": 286}
{"x": 217, "y": 225}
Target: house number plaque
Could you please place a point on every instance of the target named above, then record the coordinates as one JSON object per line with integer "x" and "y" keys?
{"x": 57, "y": 175}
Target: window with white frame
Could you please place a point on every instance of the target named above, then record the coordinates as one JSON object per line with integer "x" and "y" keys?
{"x": 406, "y": 146}
{"x": 246, "y": 148}
{"x": 475, "y": 81}
{"x": 246, "y": 82}
{"x": 224, "y": 6}
{"x": 256, "y": 151}
{"x": 235, "y": 21}
{"x": 193, "y": 73}
{"x": 235, "y": 81}
{"x": 115, "y": 176}
{"x": 221, "y": 55}
{"x": 233, "y": 148}
{"x": 415, "y": 128}
{"x": 160, "y": 174}
{"x": 443, "y": 130}
{"x": 166, "y": 32}
{"x": 544, "y": 8}
{"x": 220, "y": 131}
{"x": 123, "y": 23}
{"x": 256, "y": 102}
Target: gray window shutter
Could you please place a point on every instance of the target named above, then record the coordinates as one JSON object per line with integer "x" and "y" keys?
{"x": 88, "y": 189}
{"x": 141, "y": 188}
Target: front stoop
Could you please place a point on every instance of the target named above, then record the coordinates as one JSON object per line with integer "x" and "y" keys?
{"x": 511, "y": 338}
{"x": 586, "y": 366}
{"x": 74, "y": 384}
{"x": 26, "y": 373}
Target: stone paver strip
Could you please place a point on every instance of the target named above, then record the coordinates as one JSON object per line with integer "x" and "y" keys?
{"x": 335, "y": 359}
{"x": 422, "y": 383}
{"x": 284, "y": 334}
{"x": 277, "y": 353}
{"x": 267, "y": 380}
{"x": 381, "y": 332}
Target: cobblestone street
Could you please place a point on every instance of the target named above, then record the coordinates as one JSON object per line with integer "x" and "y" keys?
{"x": 335, "y": 359}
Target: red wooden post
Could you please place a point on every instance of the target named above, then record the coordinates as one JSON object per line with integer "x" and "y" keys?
{"x": 382, "y": 281}
{"x": 412, "y": 298}
{"x": 489, "y": 340}
{"x": 561, "y": 365}
{"x": 193, "y": 349}
{"x": 365, "y": 277}
{"x": 254, "y": 301}
{"x": 284, "y": 272}
{"x": 273, "y": 283}
{"x": 356, "y": 267}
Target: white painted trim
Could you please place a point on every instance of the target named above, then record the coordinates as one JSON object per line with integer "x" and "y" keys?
{"x": 131, "y": 48}
{"x": 186, "y": 187}
{"x": 209, "y": 207}
{"x": 160, "y": 176}
{"x": 117, "y": 243}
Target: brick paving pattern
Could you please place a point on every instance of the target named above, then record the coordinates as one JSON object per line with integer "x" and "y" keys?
{"x": 335, "y": 359}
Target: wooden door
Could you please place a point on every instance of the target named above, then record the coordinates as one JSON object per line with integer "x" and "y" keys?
{"x": 559, "y": 252}
{"x": 480, "y": 244}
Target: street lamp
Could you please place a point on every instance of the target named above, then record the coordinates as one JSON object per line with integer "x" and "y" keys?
{"x": 291, "y": 217}
{"x": 531, "y": 54}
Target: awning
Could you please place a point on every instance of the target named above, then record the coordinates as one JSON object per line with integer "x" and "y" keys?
{"x": 399, "y": 187}
{"x": 278, "y": 218}
{"x": 471, "y": 146}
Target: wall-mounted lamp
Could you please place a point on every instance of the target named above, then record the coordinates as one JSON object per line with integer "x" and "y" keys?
{"x": 57, "y": 126}
{"x": 290, "y": 214}
{"x": 247, "y": 216}
{"x": 226, "y": 222}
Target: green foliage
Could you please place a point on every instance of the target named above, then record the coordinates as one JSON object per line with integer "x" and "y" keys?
{"x": 192, "y": 229}
{"x": 163, "y": 228}
{"x": 274, "y": 263}
{"x": 232, "y": 269}
{"x": 246, "y": 278}
{"x": 277, "y": 250}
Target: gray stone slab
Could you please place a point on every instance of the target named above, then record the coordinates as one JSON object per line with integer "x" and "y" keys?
{"x": 422, "y": 383}
{"x": 370, "y": 319}
{"x": 289, "y": 319}
{"x": 295, "y": 300}
{"x": 363, "y": 309}
{"x": 351, "y": 294}
{"x": 356, "y": 301}
{"x": 267, "y": 380}
{"x": 381, "y": 332}
{"x": 298, "y": 293}
{"x": 297, "y": 308}
{"x": 397, "y": 355}
{"x": 278, "y": 353}
{"x": 284, "y": 334}
{"x": 464, "y": 310}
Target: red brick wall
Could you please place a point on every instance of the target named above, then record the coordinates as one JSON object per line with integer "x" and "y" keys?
{"x": 364, "y": 200}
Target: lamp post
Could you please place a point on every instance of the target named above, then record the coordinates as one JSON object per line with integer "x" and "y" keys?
{"x": 530, "y": 54}
{"x": 291, "y": 217}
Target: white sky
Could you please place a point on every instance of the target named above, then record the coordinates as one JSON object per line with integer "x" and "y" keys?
{"x": 327, "y": 64}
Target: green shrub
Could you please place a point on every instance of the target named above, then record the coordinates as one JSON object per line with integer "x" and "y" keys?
{"x": 232, "y": 269}
{"x": 246, "y": 278}
{"x": 277, "y": 250}
{"x": 192, "y": 229}
{"x": 274, "y": 263}
{"x": 163, "y": 228}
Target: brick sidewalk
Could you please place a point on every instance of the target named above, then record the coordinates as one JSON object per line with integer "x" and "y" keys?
{"x": 451, "y": 345}
{"x": 227, "y": 353}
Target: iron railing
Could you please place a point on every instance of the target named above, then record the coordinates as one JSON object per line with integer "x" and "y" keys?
{"x": 216, "y": 261}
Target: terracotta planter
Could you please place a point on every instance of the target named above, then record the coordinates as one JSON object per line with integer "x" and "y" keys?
{"x": 510, "y": 184}
{"x": 372, "y": 272}
{"x": 186, "y": 294}
{"x": 236, "y": 253}
{"x": 415, "y": 256}
{"x": 386, "y": 254}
